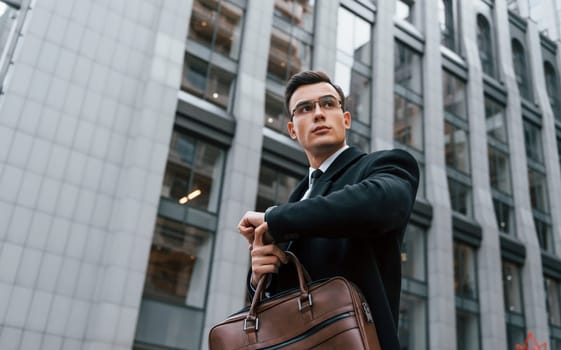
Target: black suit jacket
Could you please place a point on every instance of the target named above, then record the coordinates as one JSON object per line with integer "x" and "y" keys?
{"x": 352, "y": 225}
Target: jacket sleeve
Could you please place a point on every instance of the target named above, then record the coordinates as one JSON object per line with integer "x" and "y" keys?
{"x": 377, "y": 200}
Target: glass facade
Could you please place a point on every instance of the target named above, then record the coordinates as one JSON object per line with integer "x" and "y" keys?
{"x": 353, "y": 72}
{"x": 180, "y": 254}
{"x": 413, "y": 332}
{"x": 552, "y": 88}
{"x": 485, "y": 45}
{"x": 521, "y": 70}
{"x": 275, "y": 186}
{"x": 446, "y": 16}
{"x": 553, "y": 303}
{"x": 466, "y": 291}
{"x": 514, "y": 304}
{"x": 499, "y": 165}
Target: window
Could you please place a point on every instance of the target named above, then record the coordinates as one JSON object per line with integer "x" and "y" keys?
{"x": 194, "y": 167}
{"x": 12, "y": 14}
{"x": 353, "y": 72}
{"x": 275, "y": 186}
{"x": 217, "y": 25}
{"x": 467, "y": 304}
{"x": 176, "y": 281}
{"x": 520, "y": 70}
{"x": 414, "y": 299}
{"x": 552, "y": 87}
{"x": 291, "y": 39}
{"x": 537, "y": 185}
{"x": 553, "y": 303}
{"x": 404, "y": 10}
{"x": 447, "y": 24}
{"x": 514, "y": 304}
{"x": 456, "y": 147}
{"x": 485, "y": 45}
{"x": 408, "y": 97}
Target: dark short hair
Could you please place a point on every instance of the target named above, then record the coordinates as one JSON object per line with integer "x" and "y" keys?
{"x": 307, "y": 78}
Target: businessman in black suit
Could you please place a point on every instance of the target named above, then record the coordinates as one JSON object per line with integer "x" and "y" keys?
{"x": 351, "y": 221}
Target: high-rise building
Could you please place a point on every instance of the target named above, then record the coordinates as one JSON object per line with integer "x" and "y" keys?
{"x": 134, "y": 134}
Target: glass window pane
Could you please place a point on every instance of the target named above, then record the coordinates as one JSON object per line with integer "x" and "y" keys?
{"x": 414, "y": 250}
{"x": 485, "y": 45}
{"x": 357, "y": 140}
{"x": 456, "y": 147}
{"x": 217, "y": 25}
{"x": 446, "y": 19}
{"x": 412, "y": 322}
{"x": 505, "y": 216}
{"x": 460, "y": 197}
{"x": 553, "y": 294}
{"x": 533, "y": 142}
{"x": 354, "y": 36}
{"x": 454, "y": 95}
{"x": 520, "y": 69}
{"x": 495, "y": 120}
{"x": 538, "y": 190}
{"x": 512, "y": 288}
{"x": 465, "y": 284}
{"x": 179, "y": 263}
{"x": 359, "y": 95}
{"x": 499, "y": 170}
{"x": 287, "y": 55}
{"x": 467, "y": 331}
{"x": 515, "y": 336}
{"x": 408, "y": 71}
{"x": 275, "y": 187}
{"x": 275, "y": 116}
{"x": 545, "y": 238}
{"x": 408, "y": 123}
{"x": 296, "y": 12}
{"x": 193, "y": 172}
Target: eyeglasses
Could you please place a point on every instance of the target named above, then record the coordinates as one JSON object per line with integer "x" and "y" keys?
{"x": 327, "y": 103}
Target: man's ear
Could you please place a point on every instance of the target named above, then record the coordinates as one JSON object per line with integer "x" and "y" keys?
{"x": 347, "y": 118}
{"x": 291, "y": 131}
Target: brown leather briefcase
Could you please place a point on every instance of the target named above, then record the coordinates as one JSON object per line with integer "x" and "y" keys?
{"x": 326, "y": 314}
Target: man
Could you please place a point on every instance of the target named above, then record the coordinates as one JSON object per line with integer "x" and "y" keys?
{"x": 351, "y": 221}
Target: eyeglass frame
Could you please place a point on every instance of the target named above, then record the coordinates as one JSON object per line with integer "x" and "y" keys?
{"x": 314, "y": 102}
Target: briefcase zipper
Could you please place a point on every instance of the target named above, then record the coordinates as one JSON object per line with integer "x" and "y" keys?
{"x": 367, "y": 312}
{"x": 309, "y": 332}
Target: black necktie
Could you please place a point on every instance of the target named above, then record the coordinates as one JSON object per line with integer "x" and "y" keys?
{"x": 314, "y": 177}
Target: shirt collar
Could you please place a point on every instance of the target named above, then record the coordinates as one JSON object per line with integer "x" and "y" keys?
{"x": 326, "y": 163}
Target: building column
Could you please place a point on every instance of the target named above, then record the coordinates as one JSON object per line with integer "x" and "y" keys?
{"x": 440, "y": 260}
{"x": 491, "y": 300}
{"x": 532, "y": 275}
{"x": 230, "y": 262}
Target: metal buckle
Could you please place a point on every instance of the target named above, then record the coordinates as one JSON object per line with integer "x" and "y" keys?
{"x": 309, "y": 302}
{"x": 254, "y": 328}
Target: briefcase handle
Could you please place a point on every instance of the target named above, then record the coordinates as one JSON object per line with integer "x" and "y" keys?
{"x": 251, "y": 322}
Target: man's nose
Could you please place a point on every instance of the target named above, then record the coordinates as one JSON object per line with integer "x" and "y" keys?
{"x": 318, "y": 111}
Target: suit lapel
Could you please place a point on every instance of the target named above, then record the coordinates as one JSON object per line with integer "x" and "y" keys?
{"x": 340, "y": 164}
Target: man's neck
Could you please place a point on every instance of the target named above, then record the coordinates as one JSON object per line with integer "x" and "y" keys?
{"x": 316, "y": 159}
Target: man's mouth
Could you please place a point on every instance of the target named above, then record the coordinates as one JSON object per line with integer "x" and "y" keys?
{"x": 320, "y": 128}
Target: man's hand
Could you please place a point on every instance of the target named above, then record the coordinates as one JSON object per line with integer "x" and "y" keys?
{"x": 248, "y": 224}
{"x": 265, "y": 258}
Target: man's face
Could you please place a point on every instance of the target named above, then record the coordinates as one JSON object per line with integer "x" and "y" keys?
{"x": 321, "y": 131}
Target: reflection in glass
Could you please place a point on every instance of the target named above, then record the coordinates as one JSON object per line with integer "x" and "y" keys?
{"x": 179, "y": 263}
{"x": 456, "y": 147}
{"x": 512, "y": 288}
{"x": 412, "y": 322}
{"x": 408, "y": 97}
{"x": 521, "y": 70}
{"x": 359, "y": 96}
{"x": 275, "y": 187}
{"x": 217, "y": 25}
{"x": 460, "y": 197}
{"x": 298, "y": 13}
{"x": 485, "y": 45}
{"x": 533, "y": 142}
{"x": 454, "y": 95}
{"x": 446, "y": 19}
{"x": 207, "y": 81}
{"x": 499, "y": 170}
{"x": 504, "y": 215}
{"x": 414, "y": 249}
{"x": 467, "y": 330}
{"x": 538, "y": 190}
{"x": 553, "y": 293}
{"x": 465, "y": 284}
{"x": 495, "y": 120}
{"x": 552, "y": 87}
{"x": 193, "y": 165}
{"x": 545, "y": 238}
{"x": 275, "y": 116}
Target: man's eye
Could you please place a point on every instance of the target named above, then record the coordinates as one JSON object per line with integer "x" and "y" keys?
{"x": 305, "y": 108}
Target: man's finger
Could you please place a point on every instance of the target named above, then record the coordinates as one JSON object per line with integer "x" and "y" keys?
{"x": 258, "y": 238}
